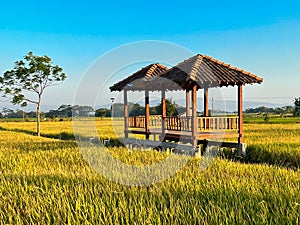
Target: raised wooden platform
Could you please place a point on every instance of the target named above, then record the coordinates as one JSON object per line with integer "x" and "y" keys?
{"x": 180, "y": 141}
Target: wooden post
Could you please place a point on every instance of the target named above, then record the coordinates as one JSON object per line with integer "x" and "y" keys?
{"x": 125, "y": 114}
{"x": 147, "y": 114}
{"x": 188, "y": 106}
{"x": 163, "y": 115}
{"x": 188, "y": 102}
{"x": 194, "y": 115}
{"x": 206, "y": 101}
{"x": 240, "y": 113}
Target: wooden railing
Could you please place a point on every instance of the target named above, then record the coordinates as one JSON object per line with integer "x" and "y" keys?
{"x": 136, "y": 121}
{"x": 204, "y": 124}
{"x": 139, "y": 121}
{"x": 155, "y": 121}
{"x": 178, "y": 123}
{"x": 225, "y": 123}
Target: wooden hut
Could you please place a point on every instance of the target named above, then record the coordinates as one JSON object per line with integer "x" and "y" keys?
{"x": 197, "y": 72}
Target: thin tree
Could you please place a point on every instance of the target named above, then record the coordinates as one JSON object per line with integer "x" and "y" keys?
{"x": 33, "y": 75}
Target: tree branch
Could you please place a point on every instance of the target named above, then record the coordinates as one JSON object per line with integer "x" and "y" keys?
{"x": 31, "y": 101}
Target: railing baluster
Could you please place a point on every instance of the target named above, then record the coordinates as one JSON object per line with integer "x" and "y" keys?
{"x": 205, "y": 124}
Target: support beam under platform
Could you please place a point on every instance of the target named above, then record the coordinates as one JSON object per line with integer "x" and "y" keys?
{"x": 186, "y": 149}
{"x": 241, "y": 147}
{"x": 174, "y": 147}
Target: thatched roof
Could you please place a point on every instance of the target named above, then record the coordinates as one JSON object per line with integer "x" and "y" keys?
{"x": 204, "y": 71}
{"x": 140, "y": 79}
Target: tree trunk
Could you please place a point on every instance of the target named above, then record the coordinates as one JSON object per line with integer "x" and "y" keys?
{"x": 38, "y": 119}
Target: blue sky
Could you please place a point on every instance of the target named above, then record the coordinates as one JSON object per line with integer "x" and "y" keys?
{"x": 262, "y": 37}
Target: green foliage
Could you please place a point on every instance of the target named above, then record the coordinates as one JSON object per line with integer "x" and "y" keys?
{"x": 135, "y": 110}
{"x": 266, "y": 118}
{"x": 102, "y": 112}
{"x": 278, "y": 110}
{"x": 33, "y": 75}
{"x": 297, "y": 107}
{"x": 67, "y": 111}
{"x": 170, "y": 106}
{"x": 118, "y": 109}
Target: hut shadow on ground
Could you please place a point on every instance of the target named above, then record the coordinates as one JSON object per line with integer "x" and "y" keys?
{"x": 59, "y": 136}
{"x": 114, "y": 142}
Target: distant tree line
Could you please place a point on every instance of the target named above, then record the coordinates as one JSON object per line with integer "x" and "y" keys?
{"x": 294, "y": 110}
{"x": 68, "y": 110}
{"x": 278, "y": 110}
{"x": 134, "y": 109}
{"x": 9, "y": 113}
{"x": 63, "y": 111}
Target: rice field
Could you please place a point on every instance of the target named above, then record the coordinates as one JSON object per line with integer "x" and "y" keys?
{"x": 45, "y": 180}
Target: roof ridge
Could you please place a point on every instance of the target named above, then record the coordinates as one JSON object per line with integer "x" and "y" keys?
{"x": 153, "y": 67}
{"x": 162, "y": 66}
{"x": 192, "y": 72}
{"x": 197, "y": 64}
{"x": 151, "y": 70}
{"x": 132, "y": 75}
{"x": 148, "y": 71}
